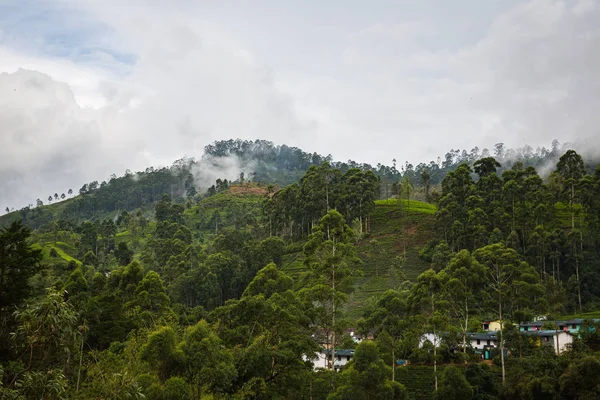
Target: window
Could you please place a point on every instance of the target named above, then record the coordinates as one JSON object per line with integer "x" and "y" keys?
{"x": 573, "y": 326}
{"x": 478, "y": 341}
{"x": 339, "y": 358}
{"x": 488, "y": 342}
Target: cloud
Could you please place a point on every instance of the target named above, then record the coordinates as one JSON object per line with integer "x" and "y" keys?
{"x": 125, "y": 85}
{"x": 208, "y": 169}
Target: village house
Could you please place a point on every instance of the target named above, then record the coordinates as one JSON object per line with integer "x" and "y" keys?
{"x": 342, "y": 357}
{"x": 430, "y": 337}
{"x": 491, "y": 326}
{"x": 571, "y": 325}
{"x": 482, "y": 340}
{"x": 558, "y": 339}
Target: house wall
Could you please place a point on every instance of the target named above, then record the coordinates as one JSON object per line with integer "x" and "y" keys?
{"x": 495, "y": 326}
{"x": 434, "y": 339}
{"x": 320, "y": 361}
{"x": 564, "y": 339}
{"x": 482, "y": 343}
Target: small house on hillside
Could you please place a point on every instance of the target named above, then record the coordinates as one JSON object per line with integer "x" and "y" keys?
{"x": 491, "y": 326}
{"x": 571, "y": 325}
{"x": 342, "y": 357}
{"x": 531, "y": 326}
{"x": 430, "y": 337}
{"x": 559, "y": 340}
{"x": 483, "y": 339}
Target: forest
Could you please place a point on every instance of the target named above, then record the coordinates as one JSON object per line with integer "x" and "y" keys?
{"x": 309, "y": 278}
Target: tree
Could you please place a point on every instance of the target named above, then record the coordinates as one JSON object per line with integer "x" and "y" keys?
{"x": 330, "y": 256}
{"x": 39, "y": 203}
{"x": 270, "y": 330}
{"x": 463, "y": 278}
{"x": 426, "y": 182}
{"x": 62, "y": 196}
{"x": 56, "y": 196}
{"x": 365, "y": 377}
{"x": 46, "y": 331}
{"x": 570, "y": 167}
{"x": 427, "y": 301}
{"x": 390, "y": 320}
{"x": 18, "y": 263}
{"x": 512, "y": 285}
{"x": 208, "y": 365}
{"x": 123, "y": 254}
{"x": 70, "y": 192}
{"x": 407, "y": 189}
{"x": 453, "y": 385}
{"x": 50, "y": 199}
{"x": 161, "y": 353}
{"x": 580, "y": 380}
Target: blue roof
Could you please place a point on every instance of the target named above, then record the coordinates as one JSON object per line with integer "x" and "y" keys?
{"x": 340, "y": 352}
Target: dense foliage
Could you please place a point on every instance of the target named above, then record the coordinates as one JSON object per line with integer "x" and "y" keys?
{"x": 141, "y": 287}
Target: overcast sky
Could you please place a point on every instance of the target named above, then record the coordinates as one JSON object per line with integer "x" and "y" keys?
{"x": 94, "y": 87}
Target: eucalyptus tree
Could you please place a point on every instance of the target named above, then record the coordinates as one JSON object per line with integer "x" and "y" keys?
{"x": 330, "y": 258}
{"x": 512, "y": 286}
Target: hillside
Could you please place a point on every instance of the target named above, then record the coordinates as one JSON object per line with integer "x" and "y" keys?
{"x": 143, "y": 278}
{"x": 399, "y": 229}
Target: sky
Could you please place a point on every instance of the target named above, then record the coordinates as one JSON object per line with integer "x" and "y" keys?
{"x": 94, "y": 87}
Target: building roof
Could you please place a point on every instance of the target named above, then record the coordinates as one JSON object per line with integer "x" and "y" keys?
{"x": 572, "y": 321}
{"x": 340, "y": 352}
{"x": 545, "y": 333}
{"x": 534, "y": 323}
{"x": 483, "y": 335}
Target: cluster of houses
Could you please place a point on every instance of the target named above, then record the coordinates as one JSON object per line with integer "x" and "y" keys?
{"x": 482, "y": 342}
{"x": 559, "y": 337}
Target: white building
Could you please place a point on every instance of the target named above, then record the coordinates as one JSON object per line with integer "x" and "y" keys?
{"x": 483, "y": 340}
{"x": 342, "y": 357}
{"x": 430, "y": 337}
{"x": 559, "y": 340}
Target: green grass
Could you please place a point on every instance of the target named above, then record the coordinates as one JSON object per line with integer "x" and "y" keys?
{"x": 390, "y": 251}
{"x": 586, "y": 315}
{"x": 60, "y": 248}
{"x": 411, "y": 205}
{"x": 61, "y": 252}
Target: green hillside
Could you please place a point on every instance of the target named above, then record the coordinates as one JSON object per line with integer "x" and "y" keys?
{"x": 145, "y": 286}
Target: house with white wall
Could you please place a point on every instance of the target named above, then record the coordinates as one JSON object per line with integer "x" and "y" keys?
{"x": 342, "y": 357}
{"x": 559, "y": 340}
{"x": 482, "y": 340}
{"x": 436, "y": 340}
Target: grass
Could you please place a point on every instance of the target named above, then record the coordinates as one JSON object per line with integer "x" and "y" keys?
{"x": 60, "y": 248}
{"x": 411, "y": 205}
{"x": 586, "y": 315}
{"x": 61, "y": 252}
{"x": 390, "y": 251}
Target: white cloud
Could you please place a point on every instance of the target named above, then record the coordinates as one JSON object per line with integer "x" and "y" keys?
{"x": 151, "y": 83}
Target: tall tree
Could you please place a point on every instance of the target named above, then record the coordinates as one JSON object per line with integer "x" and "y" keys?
{"x": 330, "y": 256}
{"x": 570, "y": 167}
{"x": 428, "y": 302}
{"x": 18, "y": 263}
{"x": 463, "y": 279}
{"x": 512, "y": 286}
{"x": 426, "y": 182}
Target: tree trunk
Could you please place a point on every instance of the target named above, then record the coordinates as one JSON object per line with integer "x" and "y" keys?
{"x": 333, "y": 311}
{"x": 435, "y": 377}
{"x": 465, "y": 329}
{"x": 393, "y": 365}
{"x": 501, "y": 339}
